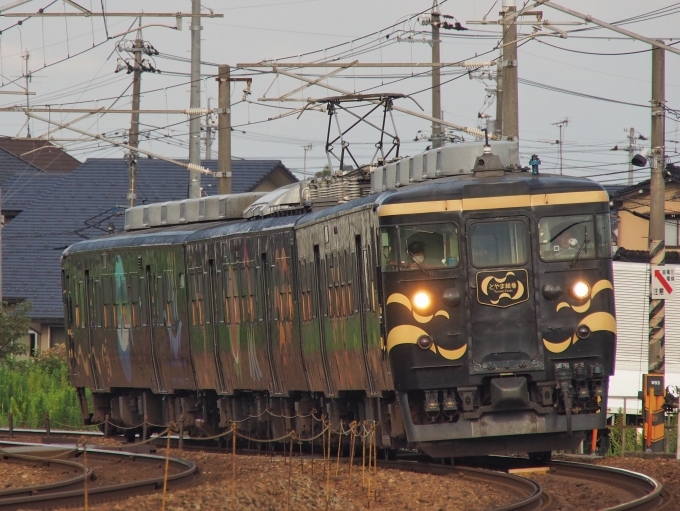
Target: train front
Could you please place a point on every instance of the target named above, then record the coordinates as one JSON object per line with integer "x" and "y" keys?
{"x": 498, "y": 311}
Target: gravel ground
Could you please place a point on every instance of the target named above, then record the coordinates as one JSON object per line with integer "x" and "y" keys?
{"x": 16, "y": 475}
{"x": 262, "y": 484}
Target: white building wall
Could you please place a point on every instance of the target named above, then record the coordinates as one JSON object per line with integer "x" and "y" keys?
{"x": 631, "y": 292}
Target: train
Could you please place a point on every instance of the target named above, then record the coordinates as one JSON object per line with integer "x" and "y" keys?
{"x": 459, "y": 303}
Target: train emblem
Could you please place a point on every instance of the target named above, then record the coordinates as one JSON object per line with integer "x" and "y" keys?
{"x": 502, "y": 288}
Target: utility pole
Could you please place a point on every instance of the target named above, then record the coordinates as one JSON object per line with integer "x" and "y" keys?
{"x": 27, "y": 75}
{"x": 304, "y": 171}
{"x": 134, "y": 124}
{"x": 631, "y": 153}
{"x": 510, "y": 103}
{"x": 195, "y": 100}
{"x": 224, "y": 130}
{"x": 499, "y": 96}
{"x": 208, "y": 135}
{"x": 561, "y": 125}
{"x": 654, "y": 396}
{"x": 436, "y": 78}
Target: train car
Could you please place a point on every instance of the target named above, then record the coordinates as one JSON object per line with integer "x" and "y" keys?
{"x": 466, "y": 309}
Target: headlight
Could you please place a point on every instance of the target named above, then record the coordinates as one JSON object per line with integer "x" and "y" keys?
{"x": 421, "y": 300}
{"x": 580, "y": 290}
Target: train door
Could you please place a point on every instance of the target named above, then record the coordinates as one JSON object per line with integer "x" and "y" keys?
{"x": 89, "y": 325}
{"x": 502, "y": 309}
{"x": 155, "y": 305}
{"x": 361, "y": 292}
{"x": 212, "y": 326}
{"x": 319, "y": 285}
{"x": 268, "y": 292}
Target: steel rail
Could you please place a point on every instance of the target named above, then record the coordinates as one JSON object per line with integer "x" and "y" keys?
{"x": 71, "y": 483}
{"x": 531, "y": 494}
{"x": 650, "y": 491}
{"x": 64, "y": 494}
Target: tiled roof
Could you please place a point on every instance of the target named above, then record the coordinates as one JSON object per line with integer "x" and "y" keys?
{"x": 642, "y": 256}
{"x": 39, "y": 153}
{"x": 25, "y": 187}
{"x": 80, "y": 205}
{"x": 11, "y": 165}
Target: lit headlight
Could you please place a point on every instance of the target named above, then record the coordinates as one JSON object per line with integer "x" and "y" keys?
{"x": 580, "y": 290}
{"x": 421, "y": 300}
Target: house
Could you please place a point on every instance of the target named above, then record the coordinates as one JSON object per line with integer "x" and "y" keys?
{"x": 56, "y": 209}
{"x": 630, "y": 210}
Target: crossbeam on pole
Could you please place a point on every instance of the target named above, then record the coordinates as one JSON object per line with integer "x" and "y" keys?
{"x": 108, "y": 15}
{"x": 186, "y": 111}
{"x": 464, "y": 64}
{"x": 472, "y": 131}
{"x": 188, "y": 166}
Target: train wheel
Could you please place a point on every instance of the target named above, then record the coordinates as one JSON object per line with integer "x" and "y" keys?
{"x": 540, "y": 456}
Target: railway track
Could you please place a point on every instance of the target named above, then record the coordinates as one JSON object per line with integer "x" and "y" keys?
{"x": 531, "y": 496}
{"x": 71, "y": 491}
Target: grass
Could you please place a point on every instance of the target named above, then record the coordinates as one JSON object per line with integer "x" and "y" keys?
{"x": 29, "y": 389}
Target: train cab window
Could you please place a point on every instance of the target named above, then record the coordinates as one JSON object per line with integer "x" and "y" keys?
{"x": 603, "y": 233}
{"x": 428, "y": 246}
{"x": 389, "y": 249}
{"x": 498, "y": 243}
{"x": 562, "y": 238}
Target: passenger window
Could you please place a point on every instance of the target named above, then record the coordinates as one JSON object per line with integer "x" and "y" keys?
{"x": 562, "y": 238}
{"x": 498, "y": 243}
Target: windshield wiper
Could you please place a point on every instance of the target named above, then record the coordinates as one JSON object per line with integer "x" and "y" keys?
{"x": 581, "y": 249}
{"x": 429, "y": 274}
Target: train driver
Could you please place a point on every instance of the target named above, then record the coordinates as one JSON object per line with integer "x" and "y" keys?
{"x": 566, "y": 245}
{"x": 417, "y": 252}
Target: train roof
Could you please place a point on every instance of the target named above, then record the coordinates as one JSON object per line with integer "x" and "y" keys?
{"x": 450, "y": 188}
{"x": 508, "y": 184}
{"x": 222, "y": 229}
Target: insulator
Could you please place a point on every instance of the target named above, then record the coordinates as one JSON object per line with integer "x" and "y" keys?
{"x": 476, "y": 63}
{"x": 196, "y": 111}
{"x": 197, "y": 168}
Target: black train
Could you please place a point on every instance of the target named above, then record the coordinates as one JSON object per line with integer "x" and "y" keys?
{"x": 465, "y": 315}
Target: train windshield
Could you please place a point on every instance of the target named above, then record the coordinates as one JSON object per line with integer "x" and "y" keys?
{"x": 499, "y": 243}
{"x": 561, "y": 238}
{"x": 415, "y": 247}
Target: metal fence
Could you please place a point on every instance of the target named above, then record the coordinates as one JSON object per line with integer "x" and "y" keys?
{"x": 626, "y": 427}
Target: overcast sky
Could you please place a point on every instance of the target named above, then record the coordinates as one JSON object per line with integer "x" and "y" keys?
{"x": 314, "y": 30}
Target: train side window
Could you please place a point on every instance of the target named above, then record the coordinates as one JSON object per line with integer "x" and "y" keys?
{"x": 235, "y": 276}
{"x": 350, "y": 272}
{"x": 603, "y": 234}
{"x": 342, "y": 276}
{"x": 499, "y": 243}
{"x": 169, "y": 306}
{"x": 106, "y": 300}
{"x": 366, "y": 283}
{"x": 143, "y": 302}
{"x": 389, "y": 249}
{"x": 133, "y": 291}
{"x": 370, "y": 284}
{"x": 562, "y": 238}
{"x": 97, "y": 304}
{"x": 159, "y": 309}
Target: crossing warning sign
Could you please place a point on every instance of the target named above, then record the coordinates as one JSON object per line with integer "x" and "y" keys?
{"x": 663, "y": 283}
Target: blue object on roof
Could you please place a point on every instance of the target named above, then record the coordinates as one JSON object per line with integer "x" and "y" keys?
{"x": 81, "y": 205}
